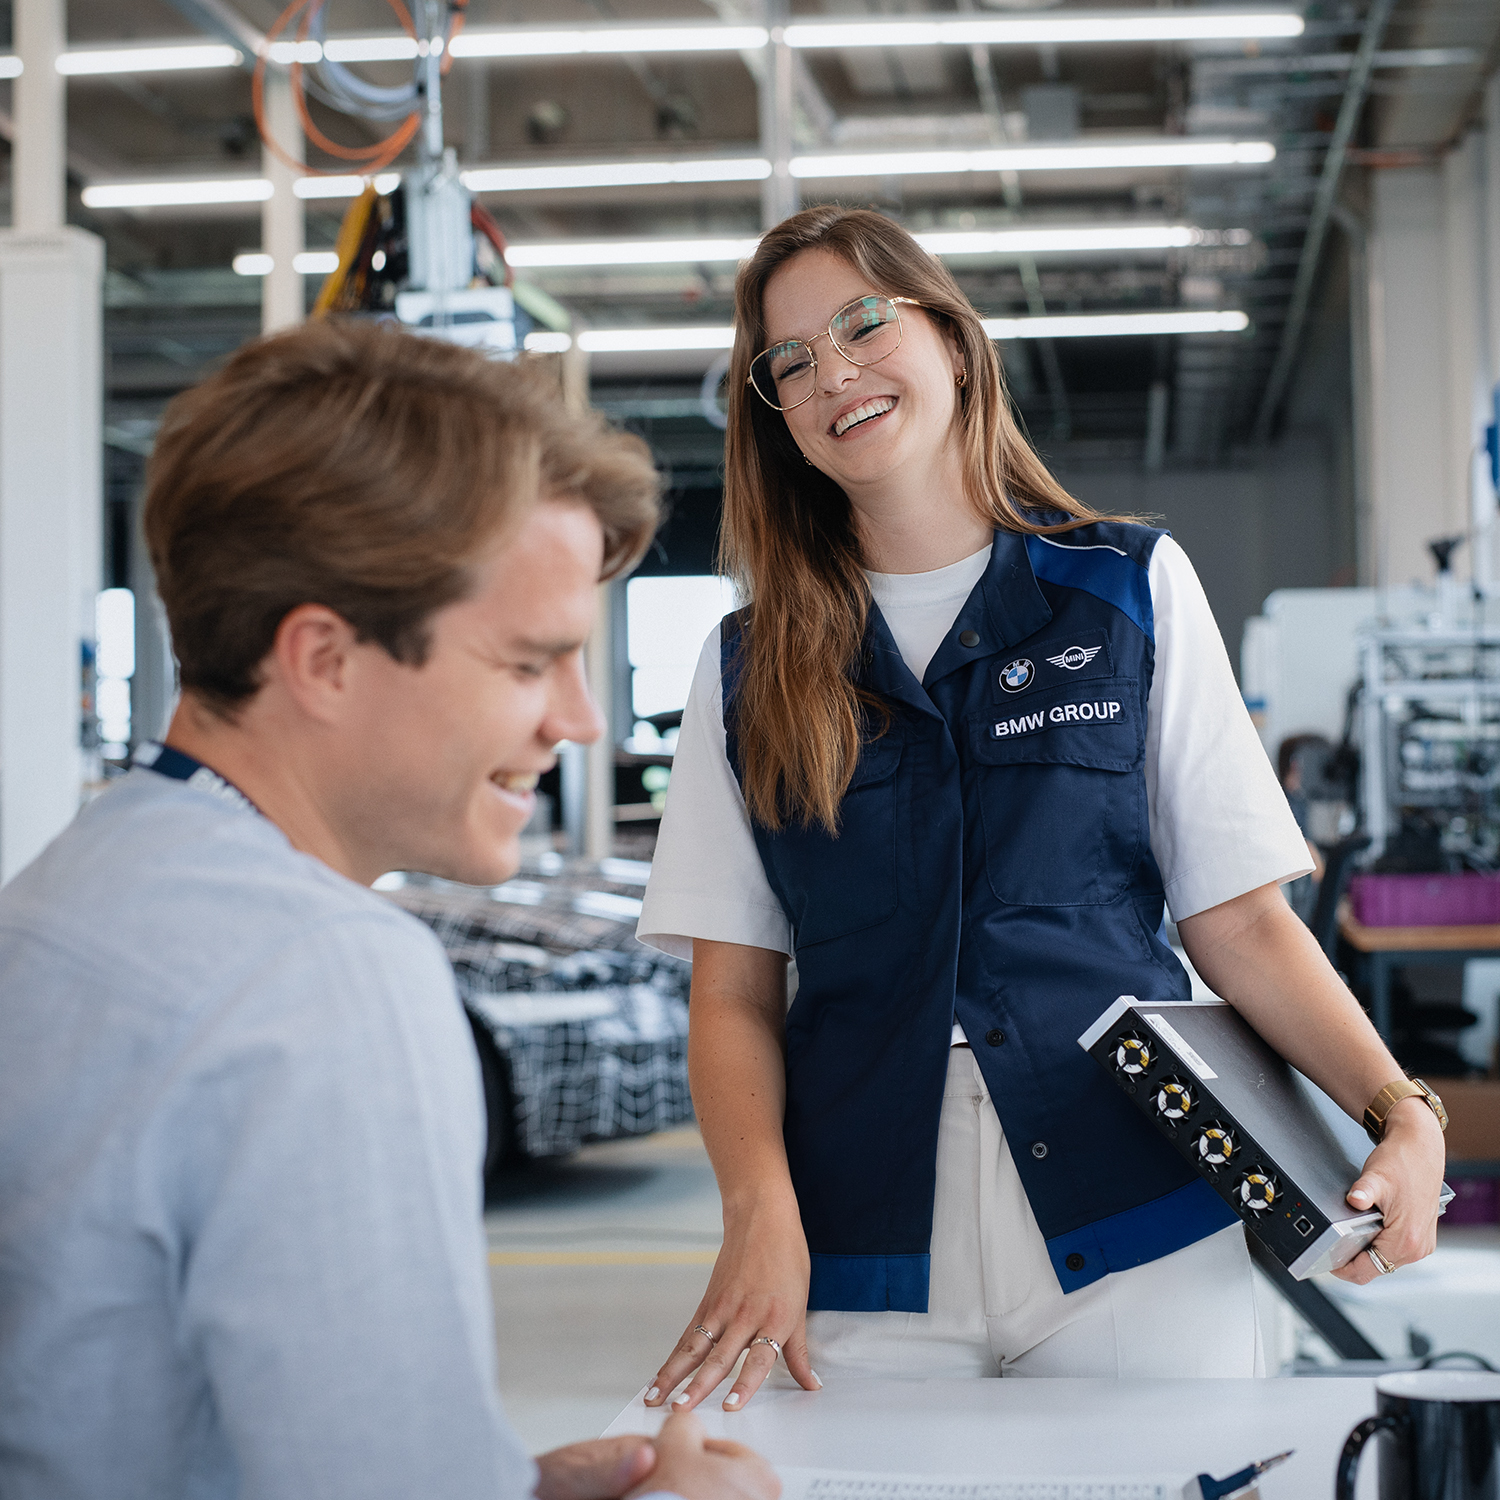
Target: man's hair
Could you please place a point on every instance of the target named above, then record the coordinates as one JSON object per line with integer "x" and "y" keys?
{"x": 363, "y": 468}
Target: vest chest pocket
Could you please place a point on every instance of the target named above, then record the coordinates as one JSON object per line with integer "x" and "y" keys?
{"x": 835, "y": 886}
{"x": 1062, "y": 800}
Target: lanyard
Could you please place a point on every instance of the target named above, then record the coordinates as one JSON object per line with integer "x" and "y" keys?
{"x": 166, "y": 761}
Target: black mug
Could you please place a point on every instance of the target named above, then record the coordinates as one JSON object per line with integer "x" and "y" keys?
{"x": 1439, "y": 1437}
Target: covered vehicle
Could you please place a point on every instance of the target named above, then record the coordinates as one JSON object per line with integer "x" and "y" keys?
{"x": 581, "y": 1030}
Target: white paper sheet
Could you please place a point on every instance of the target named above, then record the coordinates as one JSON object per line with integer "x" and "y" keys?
{"x": 832, "y": 1484}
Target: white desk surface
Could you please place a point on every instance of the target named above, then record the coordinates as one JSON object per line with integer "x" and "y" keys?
{"x": 1014, "y": 1429}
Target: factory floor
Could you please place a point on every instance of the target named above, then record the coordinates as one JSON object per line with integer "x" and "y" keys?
{"x": 597, "y": 1263}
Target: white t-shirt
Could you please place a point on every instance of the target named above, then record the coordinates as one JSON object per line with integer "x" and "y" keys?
{"x": 1220, "y": 824}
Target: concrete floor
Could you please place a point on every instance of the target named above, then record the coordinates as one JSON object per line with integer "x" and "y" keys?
{"x": 597, "y": 1263}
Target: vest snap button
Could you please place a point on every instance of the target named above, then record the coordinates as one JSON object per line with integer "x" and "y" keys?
{"x": 994, "y": 1037}
{"x": 1039, "y": 1149}
{"x": 1074, "y": 1262}
{"x": 968, "y": 638}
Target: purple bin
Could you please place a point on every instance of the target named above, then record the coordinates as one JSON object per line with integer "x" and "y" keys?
{"x": 1476, "y": 1201}
{"x": 1425, "y": 900}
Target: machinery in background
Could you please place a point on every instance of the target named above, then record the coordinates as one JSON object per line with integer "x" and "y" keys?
{"x": 1430, "y": 748}
{"x": 422, "y": 251}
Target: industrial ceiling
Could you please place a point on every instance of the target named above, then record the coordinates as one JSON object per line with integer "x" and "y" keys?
{"x": 1362, "y": 86}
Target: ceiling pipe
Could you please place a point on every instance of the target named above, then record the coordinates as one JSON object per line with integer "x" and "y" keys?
{"x": 220, "y": 19}
{"x": 1317, "y": 228}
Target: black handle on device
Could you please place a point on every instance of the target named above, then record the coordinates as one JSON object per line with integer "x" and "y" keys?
{"x": 1354, "y": 1446}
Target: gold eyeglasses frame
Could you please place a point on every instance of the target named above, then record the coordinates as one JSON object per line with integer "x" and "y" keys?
{"x": 895, "y": 302}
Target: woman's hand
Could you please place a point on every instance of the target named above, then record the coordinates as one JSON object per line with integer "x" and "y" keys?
{"x": 1256, "y": 954}
{"x": 758, "y": 1289}
{"x": 1403, "y": 1179}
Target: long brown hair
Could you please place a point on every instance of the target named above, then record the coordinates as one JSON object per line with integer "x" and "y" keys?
{"x": 789, "y": 538}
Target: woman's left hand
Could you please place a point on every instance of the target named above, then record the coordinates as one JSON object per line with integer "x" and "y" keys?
{"x": 1402, "y": 1178}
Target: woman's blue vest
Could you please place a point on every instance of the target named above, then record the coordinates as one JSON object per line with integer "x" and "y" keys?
{"x": 993, "y": 865}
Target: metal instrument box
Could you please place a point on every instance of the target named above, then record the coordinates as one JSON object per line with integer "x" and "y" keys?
{"x": 1272, "y": 1144}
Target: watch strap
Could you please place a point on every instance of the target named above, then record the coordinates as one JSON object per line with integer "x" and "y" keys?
{"x": 1403, "y": 1088}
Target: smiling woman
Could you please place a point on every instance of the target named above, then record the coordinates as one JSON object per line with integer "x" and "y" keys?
{"x": 962, "y": 747}
{"x": 899, "y": 318}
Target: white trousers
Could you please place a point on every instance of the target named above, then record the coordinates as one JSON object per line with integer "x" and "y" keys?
{"x": 995, "y": 1306}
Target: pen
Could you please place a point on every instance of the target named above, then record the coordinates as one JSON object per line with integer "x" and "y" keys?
{"x": 1206, "y": 1487}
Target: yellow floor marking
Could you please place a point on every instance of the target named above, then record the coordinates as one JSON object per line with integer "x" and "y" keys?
{"x": 603, "y": 1257}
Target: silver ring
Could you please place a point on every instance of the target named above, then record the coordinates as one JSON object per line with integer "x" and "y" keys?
{"x": 1379, "y": 1261}
{"x": 766, "y": 1339}
{"x": 713, "y": 1338}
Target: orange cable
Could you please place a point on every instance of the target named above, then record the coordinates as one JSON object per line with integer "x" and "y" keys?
{"x": 381, "y": 154}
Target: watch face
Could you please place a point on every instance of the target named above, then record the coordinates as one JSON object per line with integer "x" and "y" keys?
{"x": 1434, "y": 1101}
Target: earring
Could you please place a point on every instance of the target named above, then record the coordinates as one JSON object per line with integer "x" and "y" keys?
{"x": 806, "y": 459}
{"x": 961, "y": 379}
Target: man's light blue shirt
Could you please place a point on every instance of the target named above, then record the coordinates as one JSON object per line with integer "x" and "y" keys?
{"x": 241, "y": 1244}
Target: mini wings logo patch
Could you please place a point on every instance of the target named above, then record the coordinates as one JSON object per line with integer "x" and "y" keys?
{"x": 1017, "y": 675}
{"x": 1074, "y": 657}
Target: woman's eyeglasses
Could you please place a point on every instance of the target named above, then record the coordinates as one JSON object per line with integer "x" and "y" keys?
{"x": 865, "y": 332}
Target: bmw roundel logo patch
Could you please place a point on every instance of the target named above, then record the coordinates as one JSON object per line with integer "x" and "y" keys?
{"x": 1017, "y": 675}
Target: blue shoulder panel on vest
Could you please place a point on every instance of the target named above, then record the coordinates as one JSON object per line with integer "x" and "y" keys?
{"x": 1098, "y": 568}
{"x": 868, "y": 1283}
{"x": 1138, "y": 1235}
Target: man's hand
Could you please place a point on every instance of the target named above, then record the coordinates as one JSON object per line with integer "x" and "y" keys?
{"x": 703, "y": 1468}
{"x": 599, "y": 1470}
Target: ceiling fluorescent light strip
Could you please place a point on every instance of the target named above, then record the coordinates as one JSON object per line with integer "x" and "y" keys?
{"x": 305, "y": 263}
{"x": 165, "y": 59}
{"x": 176, "y": 194}
{"x": 647, "y": 340}
{"x": 350, "y": 49}
{"x": 1050, "y": 30}
{"x": 1111, "y": 325}
{"x": 582, "y": 41}
{"x": 1121, "y": 155}
{"x": 1170, "y": 25}
{"x": 566, "y": 254}
{"x": 287, "y": 53}
{"x": 1082, "y": 325}
{"x": 343, "y": 186}
{"x": 573, "y": 175}
{"x": 1059, "y": 241}
{"x": 614, "y": 174}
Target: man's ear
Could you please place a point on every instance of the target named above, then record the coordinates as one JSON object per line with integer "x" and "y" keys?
{"x": 310, "y": 659}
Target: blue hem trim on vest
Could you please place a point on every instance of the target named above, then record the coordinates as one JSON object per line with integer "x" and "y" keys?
{"x": 868, "y": 1283}
{"x": 1139, "y": 1235}
{"x": 1102, "y": 571}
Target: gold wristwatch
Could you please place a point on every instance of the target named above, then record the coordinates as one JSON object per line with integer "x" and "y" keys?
{"x": 1403, "y": 1088}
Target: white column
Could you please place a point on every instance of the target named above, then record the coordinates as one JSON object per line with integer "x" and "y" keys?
{"x": 38, "y": 184}
{"x": 51, "y": 460}
{"x": 1417, "y": 491}
{"x": 778, "y": 193}
{"x": 1465, "y": 350}
{"x": 282, "y": 217}
{"x": 50, "y": 523}
{"x": 1487, "y": 541}
{"x": 599, "y": 802}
